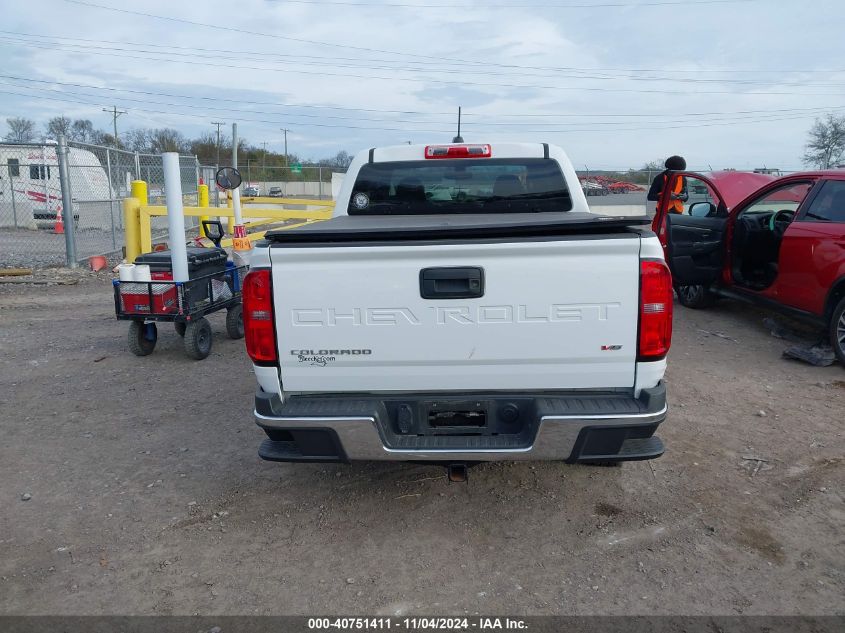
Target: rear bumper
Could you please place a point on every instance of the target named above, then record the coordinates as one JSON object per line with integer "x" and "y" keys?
{"x": 572, "y": 428}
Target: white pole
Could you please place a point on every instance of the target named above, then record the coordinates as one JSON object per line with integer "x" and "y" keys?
{"x": 175, "y": 215}
{"x": 236, "y": 193}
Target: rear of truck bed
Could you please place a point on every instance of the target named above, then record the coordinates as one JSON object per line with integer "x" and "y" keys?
{"x": 460, "y": 338}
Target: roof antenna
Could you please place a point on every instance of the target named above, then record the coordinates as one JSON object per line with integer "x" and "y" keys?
{"x": 458, "y": 138}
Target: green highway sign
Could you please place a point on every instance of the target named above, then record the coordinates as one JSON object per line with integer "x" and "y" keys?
{"x": 296, "y": 168}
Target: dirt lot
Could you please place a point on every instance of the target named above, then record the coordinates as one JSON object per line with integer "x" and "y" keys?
{"x": 147, "y": 495}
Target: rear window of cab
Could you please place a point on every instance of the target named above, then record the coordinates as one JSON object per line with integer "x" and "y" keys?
{"x": 485, "y": 185}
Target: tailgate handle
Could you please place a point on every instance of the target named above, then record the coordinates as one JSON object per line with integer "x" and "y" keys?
{"x": 452, "y": 283}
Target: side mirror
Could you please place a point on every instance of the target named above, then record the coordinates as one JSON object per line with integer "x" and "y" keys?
{"x": 228, "y": 178}
{"x": 702, "y": 209}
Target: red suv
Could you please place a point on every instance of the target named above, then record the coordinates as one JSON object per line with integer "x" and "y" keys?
{"x": 782, "y": 246}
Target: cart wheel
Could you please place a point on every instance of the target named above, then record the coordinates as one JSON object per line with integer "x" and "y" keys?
{"x": 180, "y": 326}
{"x": 198, "y": 339}
{"x": 235, "y": 321}
{"x": 142, "y": 338}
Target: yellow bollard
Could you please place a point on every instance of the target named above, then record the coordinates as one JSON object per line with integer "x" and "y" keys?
{"x": 202, "y": 201}
{"x": 139, "y": 191}
{"x": 131, "y": 224}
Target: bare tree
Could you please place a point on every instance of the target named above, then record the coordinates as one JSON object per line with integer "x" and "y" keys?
{"x": 826, "y": 142}
{"x": 20, "y": 130}
{"x": 342, "y": 160}
{"x": 138, "y": 140}
{"x": 83, "y": 131}
{"x": 57, "y": 126}
{"x": 167, "y": 140}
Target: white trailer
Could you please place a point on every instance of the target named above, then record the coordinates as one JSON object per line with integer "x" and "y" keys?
{"x": 30, "y": 192}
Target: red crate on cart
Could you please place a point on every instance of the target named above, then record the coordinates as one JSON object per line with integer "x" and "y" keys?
{"x": 135, "y": 298}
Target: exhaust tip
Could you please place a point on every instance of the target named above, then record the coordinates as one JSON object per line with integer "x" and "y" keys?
{"x": 457, "y": 473}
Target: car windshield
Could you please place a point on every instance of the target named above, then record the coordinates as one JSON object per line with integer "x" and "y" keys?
{"x": 784, "y": 198}
{"x": 525, "y": 185}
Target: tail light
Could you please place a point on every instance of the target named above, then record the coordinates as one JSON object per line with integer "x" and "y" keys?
{"x": 458, "y": 151}
{"x": 655, "y": 310}
{"x": 258, "y": 317}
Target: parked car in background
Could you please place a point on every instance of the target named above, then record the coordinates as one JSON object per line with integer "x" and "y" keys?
{"x": 252, "y": 191}
{"x": 593, "y": 188}
{"x": 275, "y": 192}
{"x": 782, "y": 246}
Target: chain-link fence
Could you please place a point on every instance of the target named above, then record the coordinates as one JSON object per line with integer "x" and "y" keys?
{"x": 294, "y": 181}
{"x": 31, "y": 214}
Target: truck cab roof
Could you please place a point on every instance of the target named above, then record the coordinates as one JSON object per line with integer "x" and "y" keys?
{"x": 512, "y": 159}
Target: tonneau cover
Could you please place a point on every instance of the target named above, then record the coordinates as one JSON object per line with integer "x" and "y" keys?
{"x": 418, "y": 227}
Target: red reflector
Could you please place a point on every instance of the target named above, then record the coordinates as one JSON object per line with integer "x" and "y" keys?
{"x": 258, "y": 316}
{"x": 458, "y": 151}
{"x": 655, "y": 310}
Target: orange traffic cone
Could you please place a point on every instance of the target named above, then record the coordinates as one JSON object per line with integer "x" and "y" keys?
{"x": 59, "y": 228}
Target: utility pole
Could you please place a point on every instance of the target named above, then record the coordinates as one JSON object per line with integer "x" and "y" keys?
{"x": 115, "y": 113}
{"x": 285, "y": 130}
{"x": 264, "y": 164}
{"x": 218, "y": 124}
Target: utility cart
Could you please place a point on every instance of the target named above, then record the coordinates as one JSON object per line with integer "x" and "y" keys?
{"x": 214, "y": 284}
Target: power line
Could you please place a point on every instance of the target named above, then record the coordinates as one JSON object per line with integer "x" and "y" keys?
{"x": 222, "y": 99}
{"x": 227, "y": 109}
{"x": 780, "y": 71}
{"x": 219, "y": 27}
{"x": 477, "y": 128}
{"x": 557, "y": 73}
{"x": 498, "y": 116}
{"x": 457, "y": 83}
{"x": 666, "y": 118}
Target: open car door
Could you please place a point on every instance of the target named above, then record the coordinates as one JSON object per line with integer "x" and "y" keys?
{"x": 691, "y": 226}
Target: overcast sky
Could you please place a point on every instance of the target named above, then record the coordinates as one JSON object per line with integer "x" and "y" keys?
{"x": 728, "y": 83}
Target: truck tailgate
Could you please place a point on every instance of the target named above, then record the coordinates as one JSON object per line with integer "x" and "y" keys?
{"x": 556, "y": 313}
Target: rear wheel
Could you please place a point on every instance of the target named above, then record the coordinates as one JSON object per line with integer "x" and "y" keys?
{"x": 235, "y": 321}
{"x": 695, "y": 297}
{"x": 837, "y": 331}
{"x": 198, "y": 339}
{"x": 142, "y": 338}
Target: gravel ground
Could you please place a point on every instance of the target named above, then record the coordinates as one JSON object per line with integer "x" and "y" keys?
{"x": 132, "y": 485}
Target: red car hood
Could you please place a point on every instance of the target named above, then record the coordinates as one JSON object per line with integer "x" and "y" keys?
{"x": 735, "y": 186}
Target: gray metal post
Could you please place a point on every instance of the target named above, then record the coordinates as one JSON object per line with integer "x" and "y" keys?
{"x": 320, "y": 178}
{"x": 12, "y": 190}
{"x": 235, "y": 145}
{"x": 67, "y": 204}
{"x": 111, "y": 199}
{"x": 138, "y": 167}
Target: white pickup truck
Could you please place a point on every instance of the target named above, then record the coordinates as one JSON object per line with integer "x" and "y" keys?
{"x": 463, "y": 305}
